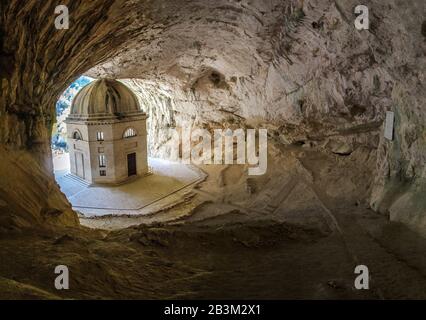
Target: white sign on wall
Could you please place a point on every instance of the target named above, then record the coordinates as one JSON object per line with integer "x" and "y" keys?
{"x": 389, "y": 124}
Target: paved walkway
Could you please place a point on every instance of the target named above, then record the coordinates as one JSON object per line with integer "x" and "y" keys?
{"x": 168, "y": 184}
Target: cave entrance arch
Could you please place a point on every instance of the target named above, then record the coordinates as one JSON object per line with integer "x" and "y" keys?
{"x": 59, "y": 142}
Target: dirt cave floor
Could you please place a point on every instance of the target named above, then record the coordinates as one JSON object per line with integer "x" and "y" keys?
{"x": 296, "y": 233}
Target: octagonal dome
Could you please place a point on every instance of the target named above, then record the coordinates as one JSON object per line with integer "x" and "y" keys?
{"x": 104, "y": 98}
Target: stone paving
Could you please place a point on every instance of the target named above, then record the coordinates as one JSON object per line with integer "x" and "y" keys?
{"x": 168, "y": 183}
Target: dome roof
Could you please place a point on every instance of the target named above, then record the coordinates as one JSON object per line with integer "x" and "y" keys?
{"x": 104, "y": 98}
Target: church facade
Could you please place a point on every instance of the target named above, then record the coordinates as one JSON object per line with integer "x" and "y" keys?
{"x": 107, "y": 134}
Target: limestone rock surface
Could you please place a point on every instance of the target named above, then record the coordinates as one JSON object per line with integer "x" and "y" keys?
{"x": 298, "y": 68}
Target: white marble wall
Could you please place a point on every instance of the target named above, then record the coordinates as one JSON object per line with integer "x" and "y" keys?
{"x": 114, "y": 147}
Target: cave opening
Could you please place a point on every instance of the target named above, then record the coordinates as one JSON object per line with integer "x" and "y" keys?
{"x": 59, "y": 140}
{"x": 102, "y": 155}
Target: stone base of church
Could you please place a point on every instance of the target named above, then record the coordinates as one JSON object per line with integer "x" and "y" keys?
{"x": 136, "y": 197}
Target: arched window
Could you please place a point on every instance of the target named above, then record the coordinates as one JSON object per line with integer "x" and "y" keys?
{"x": 130, "y": 132}
{"x": 77, "y": 135}
{"x": 102, "y": 161}
{"x": 100, "y": 136}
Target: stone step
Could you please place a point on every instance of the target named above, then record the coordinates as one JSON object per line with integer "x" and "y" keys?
{"x": 78, "y": 180}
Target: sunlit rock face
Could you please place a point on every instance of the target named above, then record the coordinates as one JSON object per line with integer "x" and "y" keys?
{"x": 303, "y": 71}
{"x": 298, "y": 68}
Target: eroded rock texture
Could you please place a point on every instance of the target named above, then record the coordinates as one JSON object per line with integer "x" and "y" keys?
{"x": 299, "y": 68}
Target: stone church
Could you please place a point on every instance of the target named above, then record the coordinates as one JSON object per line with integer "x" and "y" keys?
{"x": 107, "y": 135}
